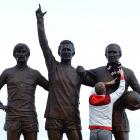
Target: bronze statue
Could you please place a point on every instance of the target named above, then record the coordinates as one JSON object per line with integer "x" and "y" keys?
{"x": 21, "y": 81}
{"x": 62, "y": 109}
{"x": 129, "y": 100}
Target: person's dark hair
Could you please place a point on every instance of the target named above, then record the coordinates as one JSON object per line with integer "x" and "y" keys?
{"x": 114, "y": 45}
{"x": 66, "y": 42}
{"x": 21, "y": 45}
{"x": 100, "y": 88}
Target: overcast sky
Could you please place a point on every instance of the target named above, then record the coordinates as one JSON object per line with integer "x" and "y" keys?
{"x": 90, "y": 24}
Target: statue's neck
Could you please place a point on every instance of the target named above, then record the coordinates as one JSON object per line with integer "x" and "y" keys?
{"x": 21, "y": 65}
{"x": 66, "y": 62}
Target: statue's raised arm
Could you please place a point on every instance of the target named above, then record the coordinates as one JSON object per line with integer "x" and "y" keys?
{"x": 49, "y": 58}
{"x": 40, "y": 25}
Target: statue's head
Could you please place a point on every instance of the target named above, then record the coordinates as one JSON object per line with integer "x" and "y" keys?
{"x": 21, "y": 53}
{"x": 66, "y": 50}
{"x": 113, "y": 53}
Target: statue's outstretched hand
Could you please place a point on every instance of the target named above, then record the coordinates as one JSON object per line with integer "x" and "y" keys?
{"x": 80, "y": 69}
{"x": 39, "y": 13}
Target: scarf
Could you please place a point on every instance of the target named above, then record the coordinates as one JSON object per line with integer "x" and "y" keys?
{"x": 114, "y": 68}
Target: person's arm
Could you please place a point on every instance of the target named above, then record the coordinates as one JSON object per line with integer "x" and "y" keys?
{"x": 118, "y": 93}
{"x": 110, "y": 82}
{"x": 49, "y": 58}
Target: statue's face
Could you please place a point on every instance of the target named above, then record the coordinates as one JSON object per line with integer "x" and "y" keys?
{"x": 66, "y": 52}
{"x": 113, "y": 54}
{"x": 21, "y": 55}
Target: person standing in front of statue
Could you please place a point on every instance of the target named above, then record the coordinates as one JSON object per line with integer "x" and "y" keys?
{"x": 101, "y": 108}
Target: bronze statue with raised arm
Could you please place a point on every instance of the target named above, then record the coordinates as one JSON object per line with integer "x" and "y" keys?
{"x": 62, "y": 109}
{"x": 21, "y": 81}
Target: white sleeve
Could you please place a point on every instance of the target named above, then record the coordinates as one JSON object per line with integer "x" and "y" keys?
{"x": 115, "y": 95}
{"x": 93, "y": 91}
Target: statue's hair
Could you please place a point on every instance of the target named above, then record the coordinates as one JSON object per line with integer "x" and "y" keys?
{"x": 66, "y": 42}
{"x": 114, "y": 45}
{"x": 21, "y": 45}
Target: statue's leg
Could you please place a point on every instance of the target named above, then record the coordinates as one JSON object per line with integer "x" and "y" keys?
{"x": 13, "y": 135}
{"x": 13, "y": 129}
{"x": 30, "y": 136}
{"x": 29, "y": 127}
{"x": 55, "y": 134}
{"x": 121, "y": 135}
{"x": 74, "y": 134}
{"x": 54, "y": 128}
{"x": 73, "y": 129}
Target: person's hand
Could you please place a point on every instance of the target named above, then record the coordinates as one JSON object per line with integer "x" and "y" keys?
{"x": 121, "y": 72}
{"x": 39, "y": 13}
{"x": 111, "y": 82}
